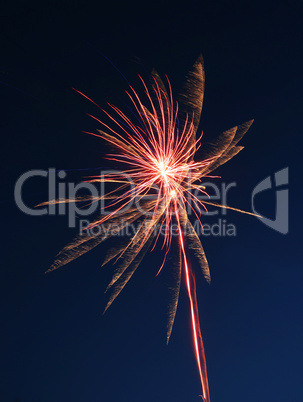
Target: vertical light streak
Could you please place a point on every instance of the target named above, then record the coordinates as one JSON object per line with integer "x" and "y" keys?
{"x": 196, "y": 331}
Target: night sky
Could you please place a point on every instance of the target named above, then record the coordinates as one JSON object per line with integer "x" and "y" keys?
{"x": 56, "y": 344}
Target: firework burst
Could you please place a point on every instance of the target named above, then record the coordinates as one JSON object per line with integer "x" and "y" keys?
{"x": 158, "y": 152}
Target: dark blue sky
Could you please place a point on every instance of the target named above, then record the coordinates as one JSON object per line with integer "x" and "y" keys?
{"x": 56, "y": 345}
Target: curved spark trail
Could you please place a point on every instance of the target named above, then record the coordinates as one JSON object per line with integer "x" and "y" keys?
{"x": 158, "y": 149}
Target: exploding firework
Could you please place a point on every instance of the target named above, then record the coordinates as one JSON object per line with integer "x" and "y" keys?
{"x": 158, "y": 152}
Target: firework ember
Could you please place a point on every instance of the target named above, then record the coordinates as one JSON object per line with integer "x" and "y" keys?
{"x": 158, "y": 152}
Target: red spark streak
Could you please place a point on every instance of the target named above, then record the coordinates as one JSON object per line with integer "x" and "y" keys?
{"x": 196, "y": 331}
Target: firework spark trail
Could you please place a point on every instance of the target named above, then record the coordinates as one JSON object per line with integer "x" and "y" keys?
{"x": 196, "y": 331}
{"x": 159, "y": 155}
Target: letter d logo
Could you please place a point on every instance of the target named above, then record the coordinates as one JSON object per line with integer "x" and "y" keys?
{"x": 280, "y": 223}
